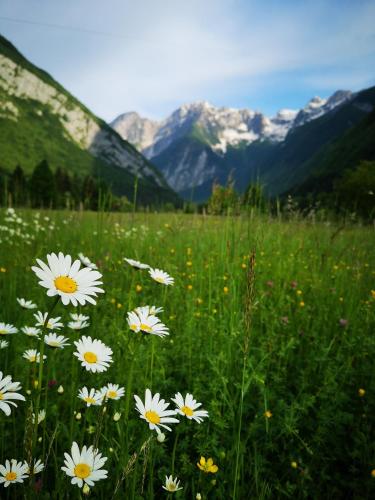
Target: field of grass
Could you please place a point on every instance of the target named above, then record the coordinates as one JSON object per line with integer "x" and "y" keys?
{"x": 271, "y": 328}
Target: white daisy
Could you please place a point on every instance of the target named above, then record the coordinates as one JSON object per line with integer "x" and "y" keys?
{"x": 54, "y": 340}
{"x": 87, "y": 262}
{"x": 84, "y": 466}
{"x": 26, "y": 304}
{"x": 53, "y": 323}
{"x": 172, "y": 484}
{"x": 155, "y": 412}
{"x": 33, "y": 356}
{"x": 7, "y": 329}
{"x": 37, "y": 467}
{"x": 93, "y": 354}
{"x": 8, "y": 392}
{"x": 41, "y": 416}
{"x": 112, "y": 391}
{"x": 188, "y": 407}
{"x": 64, "y": 278}
{"x": 149, "y": 310}
{"x": 31, "y": 331}
{"x": 3, "y": 344}
{"x": 79, "y": 317}
{"x": 78, "y": 325}
{"x": 90, "y": 397}
{"x": 13, "y": 472}
{"x": 141, "y": 321}
{"x": 136, "y": 264}
{"x": 161, "y": 276}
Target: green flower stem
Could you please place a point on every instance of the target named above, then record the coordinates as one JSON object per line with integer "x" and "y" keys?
{"x": 40, "y": 378}
{"x": 174, "y": 448}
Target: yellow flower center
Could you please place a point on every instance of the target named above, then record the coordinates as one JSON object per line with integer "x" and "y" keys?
{"x": 152, "y": 417}
{"x": 1, "y": 396}
{"x": 65, "y": 284}
{"x": 171, "y": 487}
{"x": 133, "y": 327}
{"x": 3, "y": 332}
{"x": 82, "y": 471}
{"x": 112, "y": 394}
{"x": 145, "y": 328}
{"x": 188, "y": 411}
{"x": 32, "y": 359}
{"x": 90, "y": 357}
{"x": 159, "y": 279}
{"x": 10, "y": 476}
{"x": 90, "y": 401}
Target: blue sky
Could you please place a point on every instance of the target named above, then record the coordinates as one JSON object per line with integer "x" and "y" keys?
{"x": 151, "y": 56}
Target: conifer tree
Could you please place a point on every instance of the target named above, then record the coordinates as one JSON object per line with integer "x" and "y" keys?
{"x": 42, "y": 186}
{"x": 18, "y": 186}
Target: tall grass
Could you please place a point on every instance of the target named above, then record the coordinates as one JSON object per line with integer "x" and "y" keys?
{"x": 256, "y": 334}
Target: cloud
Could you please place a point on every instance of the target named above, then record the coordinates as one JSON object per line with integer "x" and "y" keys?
{"x": 164, "y": 53}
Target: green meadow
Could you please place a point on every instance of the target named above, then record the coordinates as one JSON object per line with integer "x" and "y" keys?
{"x": 271, "y": 327}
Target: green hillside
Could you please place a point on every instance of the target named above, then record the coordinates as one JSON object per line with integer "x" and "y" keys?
{"x": 30, "y": 131}
{"x": 329, "y": 163}
{"x": 291, "y": 162}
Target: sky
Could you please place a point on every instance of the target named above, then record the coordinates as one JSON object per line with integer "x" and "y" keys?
{"x": 151, "y": 56}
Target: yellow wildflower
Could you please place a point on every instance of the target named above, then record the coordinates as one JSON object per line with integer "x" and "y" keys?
{"x": 207, "y": 465}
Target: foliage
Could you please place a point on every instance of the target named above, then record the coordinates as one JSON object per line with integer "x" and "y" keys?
{"x": 356, "y": 189}
{"x": 223, "y": 200}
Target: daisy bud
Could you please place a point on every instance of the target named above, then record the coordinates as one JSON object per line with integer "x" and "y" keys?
{"x": 78, "y": 416}
{"x": 60, "y": 390}
{"x": 36, "y": 383}
{"x": 39, "y": 439}
{"x": 161, "y": 437}
{"x": 117, "y": 416}
{"x": 86, "y": 489}
{"x": 198, "y": 496}
{"x": 28, "y": 392}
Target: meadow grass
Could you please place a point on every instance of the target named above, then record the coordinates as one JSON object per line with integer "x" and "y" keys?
{"x": 271, "y": 328}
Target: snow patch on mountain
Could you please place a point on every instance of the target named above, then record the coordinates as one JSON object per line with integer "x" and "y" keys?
{"x": 219, "y": 128}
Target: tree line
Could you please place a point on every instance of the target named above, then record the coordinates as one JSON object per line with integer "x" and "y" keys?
{"x": 47, "y": 189}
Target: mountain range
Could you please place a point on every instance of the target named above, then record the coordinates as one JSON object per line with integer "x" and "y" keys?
{"x": 200, "y": 143}
{"x": 297, "y": 151}
{"x": 40, "y": 120}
